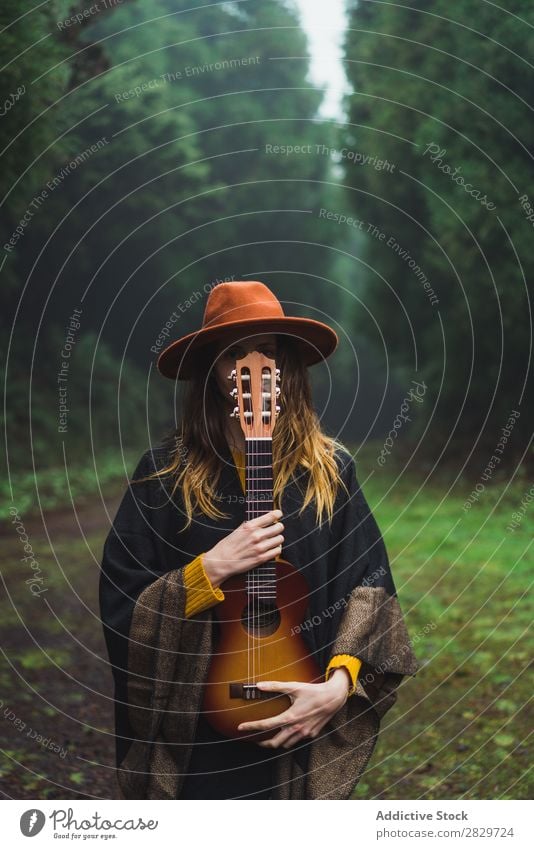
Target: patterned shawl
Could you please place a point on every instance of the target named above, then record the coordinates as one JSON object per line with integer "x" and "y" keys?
{"x": 160, "y": 659}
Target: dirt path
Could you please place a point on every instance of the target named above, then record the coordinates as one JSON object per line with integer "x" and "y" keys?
{"x": 461, "y": 729}
{"x": 56, "y": 708}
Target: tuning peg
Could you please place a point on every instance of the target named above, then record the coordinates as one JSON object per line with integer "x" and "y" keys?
{"x": 233, "y": 393}
{"x": 277, "y": 391}
{"x": 235, "y": 413}
{"x": 232, "y": 375}
{"x": 277, "y": 372}
{"x": 277, "y": 408}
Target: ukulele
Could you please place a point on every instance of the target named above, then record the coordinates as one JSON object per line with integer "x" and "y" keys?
{"x": 262, "y": 607}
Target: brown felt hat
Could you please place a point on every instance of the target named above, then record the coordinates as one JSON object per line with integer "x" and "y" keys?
{"x": 251, "y": 306}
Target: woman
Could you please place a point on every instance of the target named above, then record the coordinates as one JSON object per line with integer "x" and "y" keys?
{"x": 179, "y": 534}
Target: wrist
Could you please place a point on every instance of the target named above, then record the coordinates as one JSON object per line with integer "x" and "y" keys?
{"x": 339, "y": 680}
{"x": 213, "y": 570}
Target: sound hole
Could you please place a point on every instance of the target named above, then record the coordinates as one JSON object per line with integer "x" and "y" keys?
{"x": 260, "y": 618}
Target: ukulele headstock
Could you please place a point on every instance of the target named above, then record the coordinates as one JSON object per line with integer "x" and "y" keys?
{"x": 256, "y": 389}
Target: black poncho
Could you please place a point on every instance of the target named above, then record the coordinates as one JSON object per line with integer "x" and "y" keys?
{"x": 160, "y": 659}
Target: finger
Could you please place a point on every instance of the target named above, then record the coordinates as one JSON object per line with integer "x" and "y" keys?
{"x": 271, "y": 533}
{"x": 279, "y": 686}
{"x": 269, "y": 723}
{"x": 291, "y": 741}
{"x": 271, "y": 541}
{"x": 265, "y": 519}
{"x": 280, "y": 739}
{"x": 271, "y": 554}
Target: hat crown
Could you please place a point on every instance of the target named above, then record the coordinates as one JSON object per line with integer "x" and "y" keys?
{"x": 251, "y": 307}
{"x": 240, "y": 300}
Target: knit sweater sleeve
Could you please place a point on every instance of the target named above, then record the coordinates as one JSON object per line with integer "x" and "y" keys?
{"x": 200, "y": 593}
{"x": 352, "y": 665}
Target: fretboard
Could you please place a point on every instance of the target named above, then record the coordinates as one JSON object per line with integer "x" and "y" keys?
{"x": 261, "y": 581}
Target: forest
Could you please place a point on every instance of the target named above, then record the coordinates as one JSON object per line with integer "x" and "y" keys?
{"x": 151, "y": 150}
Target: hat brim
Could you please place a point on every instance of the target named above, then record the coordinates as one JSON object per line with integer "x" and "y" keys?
{"x": 315, "y": 341}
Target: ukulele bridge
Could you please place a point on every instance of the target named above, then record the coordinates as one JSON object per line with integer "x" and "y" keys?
{"x": 250, "y": 692}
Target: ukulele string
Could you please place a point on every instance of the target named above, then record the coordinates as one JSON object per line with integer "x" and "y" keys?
{"x": 267, "y": 468}
{"x": 254, "y": 572}
{"x": 256, "y": 478}
{"x": 261, "y": 507}
{"x": 253, "y": 575}
{"x": 264, "y": 382}
{"x": 247, "y": 501}
{"x": 257, "y": 512}
{"x": 248, "y": 516}
{"x": 261, "y": 571}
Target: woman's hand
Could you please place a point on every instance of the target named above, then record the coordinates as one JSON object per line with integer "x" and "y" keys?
{"x": 312, "y": 706}
{"x": 253, "y": 542}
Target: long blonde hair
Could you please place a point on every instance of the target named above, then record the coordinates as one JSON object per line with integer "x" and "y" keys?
{"x": 298, "y": 441}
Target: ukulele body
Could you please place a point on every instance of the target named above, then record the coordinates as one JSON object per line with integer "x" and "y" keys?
{"x": 257, "y": 642}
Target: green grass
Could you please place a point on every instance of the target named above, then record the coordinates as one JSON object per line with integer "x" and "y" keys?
{"x": 460, "y": 727}
{"x": 53, "y": 488}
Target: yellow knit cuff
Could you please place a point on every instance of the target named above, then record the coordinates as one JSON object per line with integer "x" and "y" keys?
{"x": 351, "y": 664}
{"x": 200, "y": 593}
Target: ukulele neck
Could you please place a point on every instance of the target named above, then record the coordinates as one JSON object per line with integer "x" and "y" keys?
{"x": 259, "y": 476}
{"x": 261, "y": 581}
